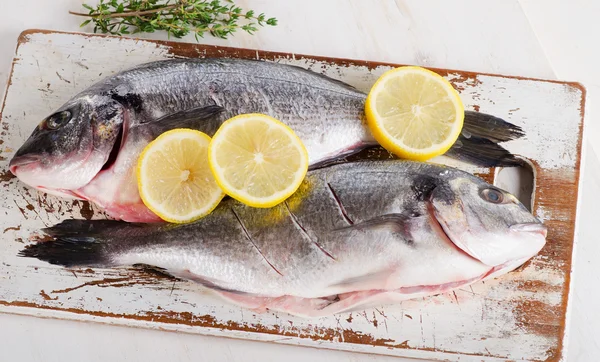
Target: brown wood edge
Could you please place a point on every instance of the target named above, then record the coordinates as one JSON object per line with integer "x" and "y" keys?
{"x": 208, "y": 321}
{"x": 252, "y": 53}
{"x": 274, "y": 54}
{"x": 577, "y": 183}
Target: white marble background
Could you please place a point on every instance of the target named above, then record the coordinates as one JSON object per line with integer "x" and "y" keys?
{"x": 536, "y": 38}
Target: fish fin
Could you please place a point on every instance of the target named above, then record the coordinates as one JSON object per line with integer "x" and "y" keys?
{"x": 401, "y": 226}
{"x": 78, "y": 243}
{"x": 482, "y": 152}
{"x": 321, "y": 307}
{"x": 342, "y": 157}
{"x": 253, "y": 302}
{"x": 336, "y": 81}
{"x": 353, "y": 301}
{"x": 202, "y": 280}
{"x": 298, "y": 306}
{"x": 478, "y": 142}
{"x": 397, "y": 223}
{"x": 88, "y": 228}
{"x": 346, "y": 302}
{"x": 490, "y": 127}
{"x": 194, "y": 118}
{"x": 69, "y": 252}
{"x": 304, "y": 307}
{"x": 363, "y": 282}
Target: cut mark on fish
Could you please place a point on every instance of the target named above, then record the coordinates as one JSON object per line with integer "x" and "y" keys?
{"x": 340, "y": 205}
{"x": 303, "y": 230}
{"x": 252, "y": 241}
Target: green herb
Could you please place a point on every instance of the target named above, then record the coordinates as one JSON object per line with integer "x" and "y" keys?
{"x": 178, "y": 18}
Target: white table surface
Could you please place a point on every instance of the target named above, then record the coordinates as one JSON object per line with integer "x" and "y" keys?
{"x": 535, "y": 38}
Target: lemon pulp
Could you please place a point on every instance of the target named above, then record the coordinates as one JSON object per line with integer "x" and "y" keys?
{"x": 174, "y": 178}
{"x": 257, "y": 160}
{"x": 414, "y": 113}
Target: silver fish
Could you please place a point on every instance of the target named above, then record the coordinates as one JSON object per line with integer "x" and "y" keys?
{"x": 354, "y": 235}
{"x": 88, "y": 147}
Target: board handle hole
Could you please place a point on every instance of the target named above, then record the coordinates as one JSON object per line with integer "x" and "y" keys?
{"x": 519, "y": 181}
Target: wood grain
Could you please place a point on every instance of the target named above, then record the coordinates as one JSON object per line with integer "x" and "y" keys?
{"x": 518, "y": 316}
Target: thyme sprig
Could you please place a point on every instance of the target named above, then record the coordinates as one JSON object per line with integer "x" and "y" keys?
{"x": 219, "y": 18}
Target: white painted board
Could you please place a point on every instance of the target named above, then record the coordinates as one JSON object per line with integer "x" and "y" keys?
{"x": 491, "y": 321}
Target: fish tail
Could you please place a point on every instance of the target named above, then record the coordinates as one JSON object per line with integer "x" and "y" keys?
{"x": 77, "y": 243}
{"x": 478, "y": 141}
{"x": 492, "y": 128}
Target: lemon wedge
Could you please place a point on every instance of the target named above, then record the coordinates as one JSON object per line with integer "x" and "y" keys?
{"x": 174, "y": 179}
{"x": 414, "y": 113}
{"x": 257, "y": 160}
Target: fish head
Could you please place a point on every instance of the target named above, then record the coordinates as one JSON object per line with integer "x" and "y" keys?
{"x": 69, "y": 147}
{"x": 486, "y": 222}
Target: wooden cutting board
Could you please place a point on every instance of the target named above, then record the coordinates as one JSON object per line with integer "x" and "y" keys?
{"x": 521, "y": 315}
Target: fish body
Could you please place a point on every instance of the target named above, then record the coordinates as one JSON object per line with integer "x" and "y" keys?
{"x": 355, "y": 234}
{"x": 88, "y": 148}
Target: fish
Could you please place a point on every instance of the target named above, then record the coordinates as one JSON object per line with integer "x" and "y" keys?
{"x": 88, "y": 148}
{"x": 356, "y": 234}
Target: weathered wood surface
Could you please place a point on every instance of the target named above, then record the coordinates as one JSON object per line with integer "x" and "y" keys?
{"x": 517, "y": 316}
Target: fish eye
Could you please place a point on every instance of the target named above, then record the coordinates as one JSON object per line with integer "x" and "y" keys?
{"x": 492, "y": 195}
{"x": 58, "y": 119}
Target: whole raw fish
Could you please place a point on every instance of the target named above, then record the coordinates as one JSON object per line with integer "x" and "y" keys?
{"x": 88, "y": 147}
{"x": 354, "y": 235}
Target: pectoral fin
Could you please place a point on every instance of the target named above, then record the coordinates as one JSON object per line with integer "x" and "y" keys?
{"x": 202, "y": 280}
{"x": 393, "y": 223}
{"x": 363, "y": 282}
{"x": 204, "y": 119}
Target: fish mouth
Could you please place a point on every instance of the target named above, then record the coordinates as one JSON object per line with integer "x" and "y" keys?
{"x": 21, "y": 161}
{"x": 530, "y": 227}
{"x": 55, "y": 176}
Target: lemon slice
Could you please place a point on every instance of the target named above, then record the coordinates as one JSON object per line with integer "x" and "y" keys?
{"x": 414, "y": 113}
{"x": 257, "y": 160}
{"x": 174, "y": 178}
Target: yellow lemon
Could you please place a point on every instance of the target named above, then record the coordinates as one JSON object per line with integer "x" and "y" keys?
{"x": 257, "y": 160}
{"x": 174, "y": 178}
{"x": 414, "y": 113}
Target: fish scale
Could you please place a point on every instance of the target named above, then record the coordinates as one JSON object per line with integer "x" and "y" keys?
{"x": 74, "y": 159}
{"x": 408, "y": 236}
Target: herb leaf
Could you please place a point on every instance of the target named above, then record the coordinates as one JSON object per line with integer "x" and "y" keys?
{"x": 178, "y": 18}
